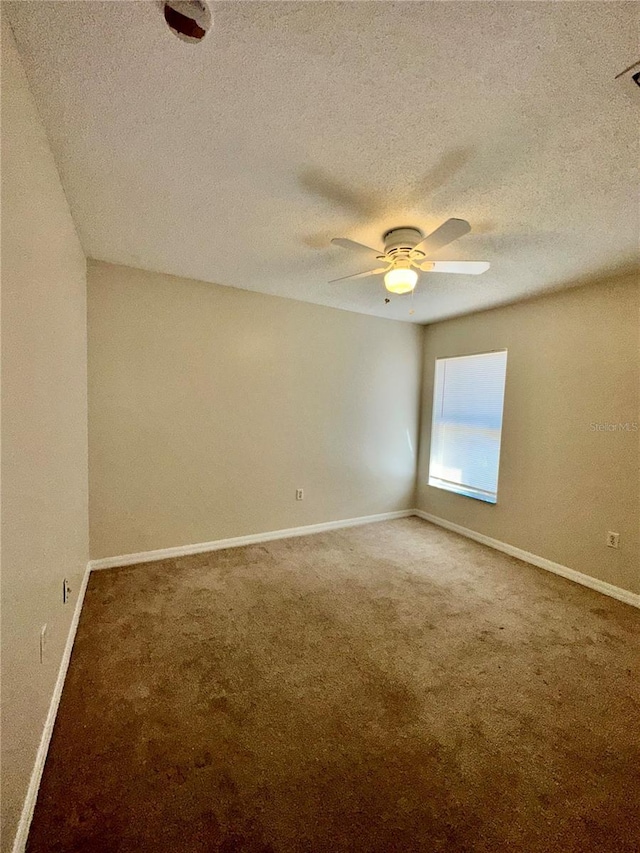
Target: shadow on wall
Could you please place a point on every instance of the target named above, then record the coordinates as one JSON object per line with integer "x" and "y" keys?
{"x": 628, "y": 267}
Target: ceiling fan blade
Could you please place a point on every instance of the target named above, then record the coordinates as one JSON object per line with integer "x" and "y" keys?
{"x": 345, "y": 243}
{"x": 449, "y": 231}
{"x": 461, "y": 267}
{"x": 360, "y": 274}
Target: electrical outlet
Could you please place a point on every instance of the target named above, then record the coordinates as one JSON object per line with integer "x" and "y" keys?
{"x": 43, "y": 642}
{"x": 299, "y": 494}
{"x": 613, "y": 539}
{"x": 66, "y": 591}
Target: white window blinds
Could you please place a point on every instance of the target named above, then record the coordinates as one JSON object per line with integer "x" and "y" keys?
{"x": 468, "y": 397}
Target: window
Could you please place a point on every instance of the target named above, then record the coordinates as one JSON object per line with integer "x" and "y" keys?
{"x": 467, "y": 424}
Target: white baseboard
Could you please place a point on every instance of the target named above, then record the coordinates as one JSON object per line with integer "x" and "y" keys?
{"x": 29, "y": 804}
{"x": 239, "y": 541}
{"x": 609, "y": 589}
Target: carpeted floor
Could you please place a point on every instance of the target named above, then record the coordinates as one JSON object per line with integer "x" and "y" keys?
{"x": 393, "y": 687}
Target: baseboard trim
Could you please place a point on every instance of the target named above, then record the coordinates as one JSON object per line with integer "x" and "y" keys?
{"x": 22, "y": 833}
{"x": 609, "y": 589}
{"x": 239, "y": 541}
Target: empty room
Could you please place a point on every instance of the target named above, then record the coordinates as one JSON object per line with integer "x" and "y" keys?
{"x": 320, "y": 427}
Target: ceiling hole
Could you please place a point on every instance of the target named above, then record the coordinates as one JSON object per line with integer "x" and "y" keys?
{"x": 189, "y": 20}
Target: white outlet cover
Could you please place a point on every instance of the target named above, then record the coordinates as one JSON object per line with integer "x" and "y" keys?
{"x": 613, "y": 539}
{"x": 43, "y": 642}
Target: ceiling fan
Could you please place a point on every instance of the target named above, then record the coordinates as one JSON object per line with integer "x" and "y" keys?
{"x": 407, "y": 249}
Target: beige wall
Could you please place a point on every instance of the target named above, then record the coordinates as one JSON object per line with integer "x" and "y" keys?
{"x": 573, "y": 361}
{"x": 44, "y": 428}
{"x": 209, "y": 406}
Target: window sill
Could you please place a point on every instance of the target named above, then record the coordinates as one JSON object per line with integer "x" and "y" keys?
{"x": 462, "y": 490}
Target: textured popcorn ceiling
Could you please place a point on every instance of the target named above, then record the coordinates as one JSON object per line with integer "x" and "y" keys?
{"x": 236, "y": 160}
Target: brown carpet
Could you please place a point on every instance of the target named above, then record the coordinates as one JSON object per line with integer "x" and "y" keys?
{"x": 392, "y": 687}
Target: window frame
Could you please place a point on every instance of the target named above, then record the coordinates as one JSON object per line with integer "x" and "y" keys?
{"x": 451, "y": 486}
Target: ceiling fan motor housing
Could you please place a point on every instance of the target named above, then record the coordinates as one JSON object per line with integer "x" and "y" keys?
{"x": 400, "y": 241}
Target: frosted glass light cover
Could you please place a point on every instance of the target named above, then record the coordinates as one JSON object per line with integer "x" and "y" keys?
{"x": 400, "y": 280}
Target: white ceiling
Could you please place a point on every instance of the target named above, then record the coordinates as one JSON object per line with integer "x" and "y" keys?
{"x": 236, "y": 160}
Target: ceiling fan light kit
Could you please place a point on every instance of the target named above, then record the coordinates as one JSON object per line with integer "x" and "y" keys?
{"x": 401, "y": 279}
{"x": 405, "y": 252}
